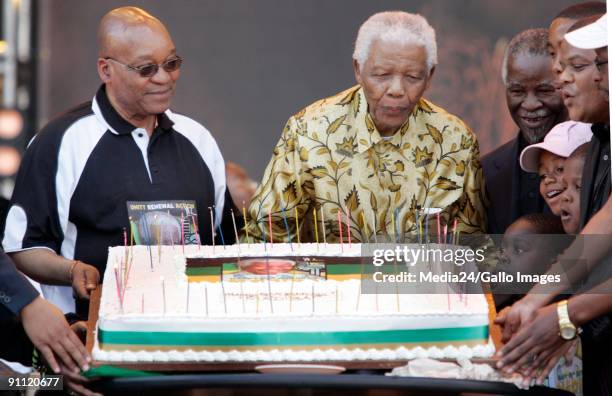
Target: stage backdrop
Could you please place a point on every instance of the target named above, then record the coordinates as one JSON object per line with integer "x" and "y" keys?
{"x": 250, "y": 64}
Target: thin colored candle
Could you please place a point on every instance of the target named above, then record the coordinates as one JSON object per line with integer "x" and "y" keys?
{"x": 221, "y": 233}
{"x": 427, "y": 228}
{"x": 323, "y": 226}
{"x": 206, "y": 299}
{"x": 270, "y": 228}
{"x": 235, "y": 229}
{"x": 454, "y": 230}
{"x": 212, "y": 228}
{"x": 163, "y": 282}
{"x": 118, "y": 286}
{"x": 287, "y": 229}
{"x": 131, "y": 237}
{"x": 291, "y": 291}
{"x": 417, "y": 224}
{"x": 297, "y": 226}
{"x": 125, "y": 247}
{"x": 337, "y": 300}
{"x": 393, "y": 226}
{"x": 242, "y": 297}
{"x": 147, "y": 237}
{"x": 224, "y": 297}
{"x": 439, "y": 231}
{"x": 340, "y": 228}
{"x": 246, "y": 229}
{"x": 348, "y": 226}
{"x": 183, "y": 231}
{"x": 316, "y": 226}
{"x": 269, "y": 285}
{"x": 445, "y": 232}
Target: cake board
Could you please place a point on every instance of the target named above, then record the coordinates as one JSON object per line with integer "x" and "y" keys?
{"x": 94, "y": 306}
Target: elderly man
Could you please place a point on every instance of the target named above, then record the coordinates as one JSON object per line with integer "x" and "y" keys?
{"x": 370, "y": 157}
{"x": 69, "y": 203}
{"x": 535, "y": 107}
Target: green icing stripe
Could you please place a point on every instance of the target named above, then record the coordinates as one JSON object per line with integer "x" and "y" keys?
{"x": 295, "y": 338}
{"x": 196, "y": 271}
{"x": 230, "y": 267}
{"x": 344, "y": 269}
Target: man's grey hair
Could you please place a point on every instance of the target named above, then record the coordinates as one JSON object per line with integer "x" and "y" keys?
{"x": 531, "y": 41}
{"x": 396, "y": 26}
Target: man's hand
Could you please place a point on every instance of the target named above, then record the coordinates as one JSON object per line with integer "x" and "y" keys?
{"x": 85, "y": 278}
{"x": 48, "y": 330}
{"x": 512, "y": 318}
{"x": 534, "y": 345}
{"x": 76, "y": 383}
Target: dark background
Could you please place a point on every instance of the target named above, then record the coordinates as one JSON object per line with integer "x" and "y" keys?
{"x": 250, "y": 64}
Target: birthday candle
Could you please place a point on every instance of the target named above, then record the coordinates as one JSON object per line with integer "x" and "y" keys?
{"x": 270, "y": 226}
{"x": 118, "y": 286}
{"x": 197, "y": 231}
{"x": 148, "y": 239}
{"x": 314, "y": 213}
{"x": 163, "y": 292}
{"x": 183, "y": 231}
{"x": 269, "y": 285}
{"x": 246, "y": 229}
{"x": 212, "y": 228}
{"x": 221, "y": 234}
{"x": 235, "y": 229}
{"x": 445, "y": 232}
{"x": 323, "y": 225}
{"x": 438, "y": 220}
{"x": 340, "y": 228}
{"x": 348, "y": 226}
{"x": 224, "y": 298}
{"x": 287, "y": 229}
{"x": 206, "y": 298}
{"x": 454, "y": 230}
{"x": 297, "y": 226}
{"x": 393, "y": 226}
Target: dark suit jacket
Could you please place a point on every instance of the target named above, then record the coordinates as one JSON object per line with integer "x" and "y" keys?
{"x": 503, "y": 173}
{"x": 15, "y": 290}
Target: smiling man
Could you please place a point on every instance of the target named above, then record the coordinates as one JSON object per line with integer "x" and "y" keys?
{"x": 535, "y": 107}
{"x": 69, "y": 202}
{"x": 371, "y": 156}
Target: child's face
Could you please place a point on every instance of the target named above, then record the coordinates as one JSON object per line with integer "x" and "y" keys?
{"x": 518, "y": 251}
{"x": 570, "y": 199}
{"x": 550, "y": 171}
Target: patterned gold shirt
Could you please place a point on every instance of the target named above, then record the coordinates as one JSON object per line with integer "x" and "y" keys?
{"x": 331, "y": 158}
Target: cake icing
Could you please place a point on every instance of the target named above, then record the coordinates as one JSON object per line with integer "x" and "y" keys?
{"x": 152, "y": 310}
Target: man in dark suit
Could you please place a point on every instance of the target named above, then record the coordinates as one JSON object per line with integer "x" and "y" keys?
{"x": 44, "y": 324}
{"x": 535, "y": 106}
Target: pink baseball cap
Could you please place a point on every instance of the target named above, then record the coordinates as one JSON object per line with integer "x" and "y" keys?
{"x": 561, "y": 140}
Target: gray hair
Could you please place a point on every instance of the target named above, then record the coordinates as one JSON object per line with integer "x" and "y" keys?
{"x": 397, "y": 26}
{"x": 531, "y": 41}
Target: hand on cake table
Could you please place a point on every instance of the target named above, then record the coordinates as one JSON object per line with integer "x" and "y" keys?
{"x": 76, "y": 384}
{"x": 84, "y": 277}
{"x": 511, "y": 319}
{"x": 48, "y": 330}
{"x": 537, "y": 345}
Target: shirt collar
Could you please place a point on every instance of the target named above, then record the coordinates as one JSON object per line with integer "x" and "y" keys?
{"x": 366, "y": 133}
{"x": 118, "y": 125}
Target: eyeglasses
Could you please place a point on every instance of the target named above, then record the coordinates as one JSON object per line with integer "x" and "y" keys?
{"x": 151, "y": 69}
{"x": 600, "y": 64}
